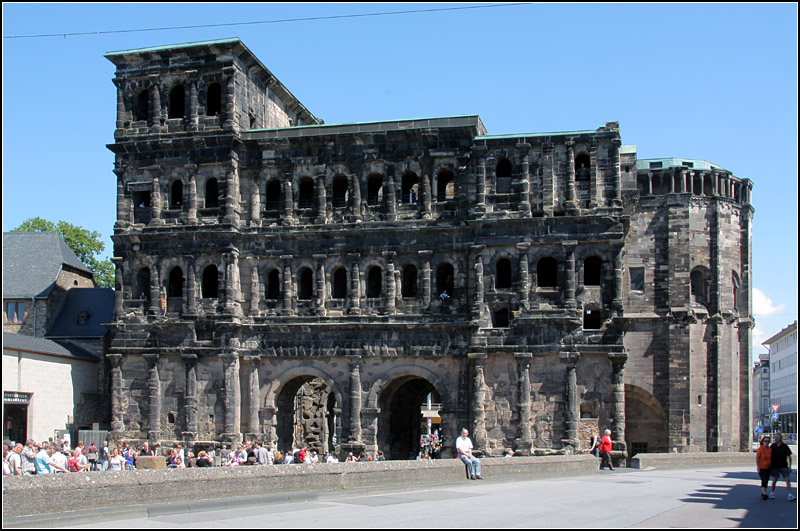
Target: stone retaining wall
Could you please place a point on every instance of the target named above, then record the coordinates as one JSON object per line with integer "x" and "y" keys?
{"x": 692, "y": 459}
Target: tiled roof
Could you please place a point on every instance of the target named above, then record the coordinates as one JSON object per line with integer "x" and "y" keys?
{"x": 47, "y": 347}
{"x": 82, "y": 313}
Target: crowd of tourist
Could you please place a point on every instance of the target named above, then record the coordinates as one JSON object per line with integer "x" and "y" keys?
{"x": 56, "y": 457}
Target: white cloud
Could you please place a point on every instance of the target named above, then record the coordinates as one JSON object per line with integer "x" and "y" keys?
{"x": 763, "y": 306}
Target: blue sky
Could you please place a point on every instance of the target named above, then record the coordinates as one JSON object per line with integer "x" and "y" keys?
{"x": 709, "y": 81}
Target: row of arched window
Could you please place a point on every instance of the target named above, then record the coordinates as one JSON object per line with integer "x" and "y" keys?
{"x": 547, "y": 277}
{"x": 176, "y": 104}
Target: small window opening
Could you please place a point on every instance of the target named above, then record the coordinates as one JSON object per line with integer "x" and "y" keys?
{"x": 592, "y": 320}
{"x": 212, "y": 193}
{"x": 306, "y": 284}
{"x": 340, "y": 185}
{"x": 142, "y": 287}
{"x": 175, "y": 287}
{"x": 410, "y": 190}
{"x": 374, "y": 190}
{"x": 547, "y": 272}
{"x": 214, "y": 102}
{"x": 141, "y": 199}
{"x": 176, "y": 195}
{"x": 83, "y": 318}
{"x": 445, "y": 279}
{"x": 340, "y": 283}
{"x": 177, "y": 102}
{"x": 698, "y": 287}
{"x": 502, "y": 278}
{"x": 409, "y": 288}
{"x": 306, "y": 193}
{"x": 500, "y": 318}
{"x": 583, "y": 164}
{"x": 503, "y": 174}
{"x": 592, "y": 271}
{"x": 637, "y": 278}
{"x": 445, "y": 186}
{"x": 374, "y": 282}
{"x": 210, "y": 286}
{"x": 142, "y": 106}
{"x": 274, "y": 285}
{"x": 273, "y": 201}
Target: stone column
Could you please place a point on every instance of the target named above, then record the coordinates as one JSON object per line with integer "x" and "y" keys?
{"x": 390, "y": 196}
{"x": 254, "y": 397}
{"x": 426, "y": 278}
{"x": 119, "y": 307}
{"x": 355, "y": 285}
{"x": 322, "y": 201}
{"x": 356, "y": 197}
{"x": 255, "y": 204}
{"x": 124, "y": 218}
{"x": 683, "y": 181}
{"x": 524, "y": 288}
{"x": 480, "y": 185}
{"x": 288, "y": 200}
{"x": 478, "y": 399}
{"x": 649, "y": 183}
{"x": 426, "y": 196}
{"x": 524, "y": 443}
{"x": 322, "y": 296}
{"x": 191, "y": 195}
{"x": 155, "y": 103}
{"x": 231, "y": 289}
{"x": 230, "y": 97}
{"x": 390, "y": 286}
{"x": 193, "y": 106}
{"x": 120, "y": 103}
{"x": 255, "y": 289}
{"x": 478, "y": 304}
{"x": 232, "y": 195}
{"x": 618, "y": 389}
{"x": 569, "y": 264}
{"x": 616, "y": 179}
{"x": 154, "y": 399}
{"x": 268, "y": 428}
{"x": 571, "y": 205}
{"x": 288, "y": 292}
{"x": 570, "y": 359}
{"x": 191, "y": 288}
{"x": 155, "y": 291}
{"x": 525, "y": 180}
{"x": 355, "y": 400}
{"x": 594, "y": 176}
{"x": 192, "y": 396}
{"x": 616, "y": 302}
{"x": 230, "y": 364}
{"x": 549, "y": 189}
{"x": 672, "y": 180}
{"x": 155, "y": 203}
{"x": 117, "y": 410}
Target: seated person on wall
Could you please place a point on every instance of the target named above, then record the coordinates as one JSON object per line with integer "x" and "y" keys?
{"x": 464, "y": 449}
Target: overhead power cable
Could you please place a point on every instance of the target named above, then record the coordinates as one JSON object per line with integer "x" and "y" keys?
{"x": 280, "y": 21}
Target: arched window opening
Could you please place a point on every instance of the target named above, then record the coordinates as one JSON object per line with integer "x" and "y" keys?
{"x": 503, "y": 173}
{"x": 340, "y": 283}
{"x": 274, "y": 285}
{"x": 699, "y": 289}
{"x": 210, "y": 286}
{"x": 500, "y": 318}
{"x": 410, "y": 189}
{"x": 409, "y": 288}
{"x": 445, "y": 279}
{"x": 374, "y": 282}
{"x": 340, "y": 186}
{"x": 142, "y": 290}
{"x": 503, "y": 279}
{"x": 592, "y": 318}
{"x": 141, "y": 110}
{"x": 374, "y": 190}
{"x": 175, "y": 287}
{"x": 177, "y": 102}
{"x": 445, "y": 187}
{"x": 547, "y": 272}
{"x": 306, "y": 284}
{"x": 214, "y": 100}
{"x": 583, "y": 164}
{"x": 176, "y": 195}
{"x": 212, "y": 193}
{"x": 592, "y": 271}
{"x": 273, "y": 200}
{"x": 306, "y": 197}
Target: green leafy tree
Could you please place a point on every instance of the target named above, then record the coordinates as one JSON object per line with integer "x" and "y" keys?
{"x": 85, "y": 244}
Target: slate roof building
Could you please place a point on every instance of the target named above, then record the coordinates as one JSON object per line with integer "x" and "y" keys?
{"x": 284, "y": 279}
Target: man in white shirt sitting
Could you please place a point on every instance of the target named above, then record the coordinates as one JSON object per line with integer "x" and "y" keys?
{"x": 464, "y": 449}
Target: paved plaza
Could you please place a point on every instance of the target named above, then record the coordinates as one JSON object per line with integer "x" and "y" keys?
{"x": 691, "y": 498}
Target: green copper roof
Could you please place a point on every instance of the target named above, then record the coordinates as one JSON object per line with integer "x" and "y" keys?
{"x": 673, "y": 162}
{"x": 530, "y": 135}
{"x": 172, "y": 46}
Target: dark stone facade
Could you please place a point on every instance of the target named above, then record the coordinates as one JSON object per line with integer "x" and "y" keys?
{"x": 259, "y": 252}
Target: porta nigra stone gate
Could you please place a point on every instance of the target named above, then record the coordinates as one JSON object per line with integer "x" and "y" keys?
{"x": 288, "y": 281}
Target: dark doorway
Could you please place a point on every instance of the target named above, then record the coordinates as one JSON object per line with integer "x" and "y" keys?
{"x": 15, "y": 425}
{"x": 401, "y": 418}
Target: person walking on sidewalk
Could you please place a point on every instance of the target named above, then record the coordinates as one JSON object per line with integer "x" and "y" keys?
{"x": 763, "y": 464}
{"x": 605, "y": 451}
{"x": 781, "y": 466}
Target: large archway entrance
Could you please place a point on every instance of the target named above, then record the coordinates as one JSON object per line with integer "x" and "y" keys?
{"x": 306, "y": 415}
{"x": 406, "y": 405}
{"x": 645, "y": 422}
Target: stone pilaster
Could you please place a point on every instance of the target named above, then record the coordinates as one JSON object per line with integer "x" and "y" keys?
{"x": 548, "y": 179}
{"x": 355, "y": 400}
{"x": 193, "y": 104}
{"x": 192, "y": 398}
{"x": 117, "y": 394}
{"x": 569, "y": 264}
{"x": 232, "y": 195}
{"x": 426, "y": 278}
{"x": 616, "y": 178}
{"x": 478, "y": 398}
{"x": 524, "y": 285}
{"x": 570, "y": 204}
{"x": 617, "y": 303}
{"x": 322, "y": 202}
{"x": 390, "y": 285}
{"x": 390, "y": 196}
{"x": 594, "y": 177}
{"x": 155, "y": 291}
{"x": 480, "y": 185}
{"x": 524, "y": 179}
{"x": 230, "y": 98}
{"x": 478, "y": 306}
{"x": 356, "y": 183}
{"x": 191, "y": 288}
{"x": 426, "y": 196}
{"x": 524, "y": 443}
{"x": 255, "y": 289}
{"x": 288, "y": 201}
{"x": 255, "y": 203}
{"x": 154, "y": 398}
{"x": 154, "y": 118}
{"x": 124, "y": 217}
{"x": 320, "y": 280}
{"x": 288, "y": 291}
{"x": 570, "y": 360}
{"x": 232, "y": 399}
{"x": 191, "y": 216}
{"x": 254, "y": 392}
{"x": 355, "y": 284}
{"x": 155, "y": 203}
{"x": 618, "y": 405}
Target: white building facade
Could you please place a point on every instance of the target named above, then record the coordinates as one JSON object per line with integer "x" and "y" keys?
{"x": 783, "y": 376}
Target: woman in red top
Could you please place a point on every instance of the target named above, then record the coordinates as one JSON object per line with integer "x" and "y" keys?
{"x": 605, "y": 451}
{"x": 763, "y": 464}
